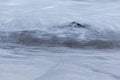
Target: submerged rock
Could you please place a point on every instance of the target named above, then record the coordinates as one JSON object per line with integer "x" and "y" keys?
{"x": 76, "y": 25}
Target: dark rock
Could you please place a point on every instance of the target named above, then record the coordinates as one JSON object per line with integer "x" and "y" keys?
{"x": 76, "y": 25}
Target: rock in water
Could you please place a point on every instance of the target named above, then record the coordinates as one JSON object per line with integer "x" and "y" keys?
{"x": 76, "y": 25}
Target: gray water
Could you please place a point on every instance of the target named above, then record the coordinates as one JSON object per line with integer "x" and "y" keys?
{"x": 59, "y": 40}
{"x": 45, "y": 23}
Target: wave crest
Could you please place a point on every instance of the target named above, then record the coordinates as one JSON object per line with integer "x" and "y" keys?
{"x": 70, "y": 35}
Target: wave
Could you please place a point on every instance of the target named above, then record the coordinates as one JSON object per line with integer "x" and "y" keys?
{"x": 71, "y": 34}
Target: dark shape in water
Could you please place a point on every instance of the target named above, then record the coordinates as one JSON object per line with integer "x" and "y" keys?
{"x": 76, "y": 25}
